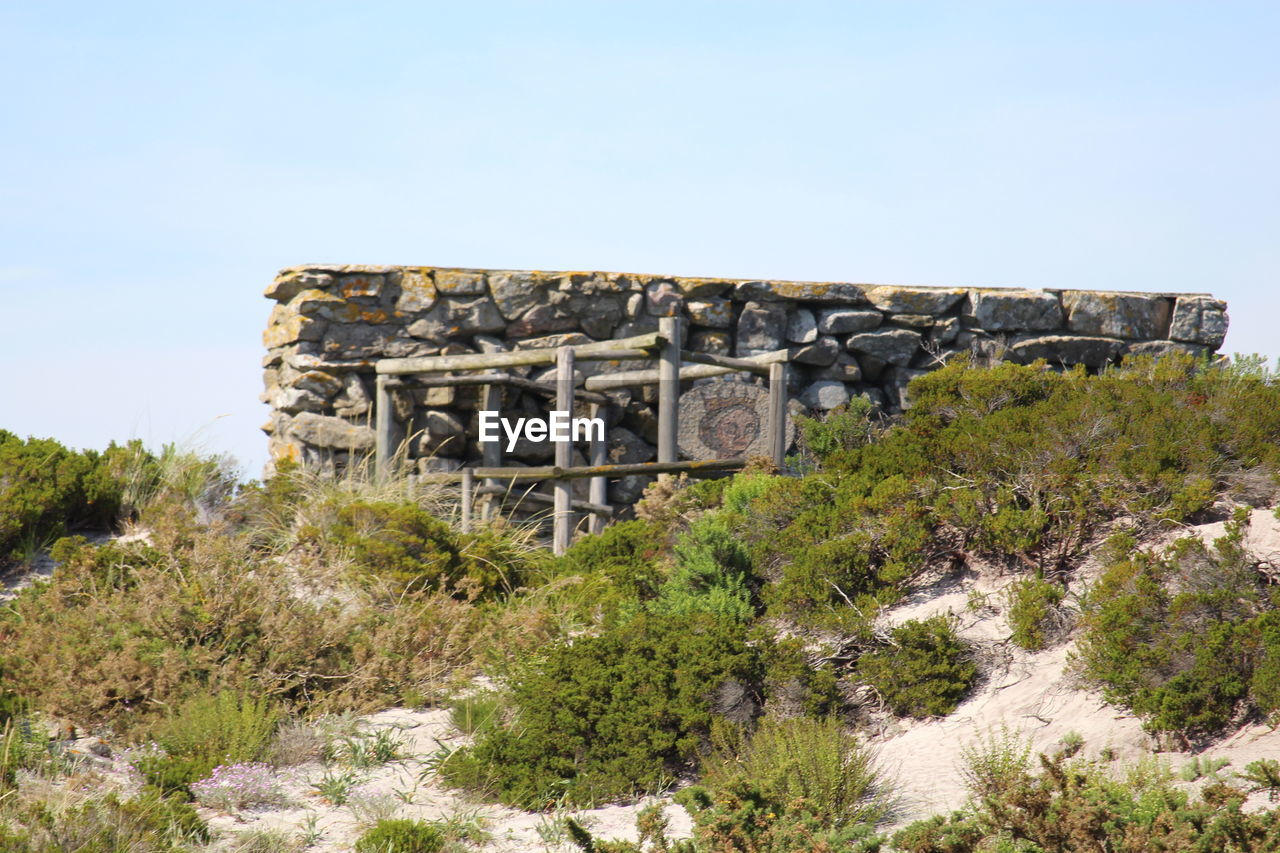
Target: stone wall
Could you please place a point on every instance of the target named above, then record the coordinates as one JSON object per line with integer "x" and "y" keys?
{"x": 331, "y": 324}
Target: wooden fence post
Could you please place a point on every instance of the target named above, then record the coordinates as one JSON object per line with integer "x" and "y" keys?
{"x": 563, "y": 492}
{"x": 668, "y": 389}
{"x": 599, "y": 486}
{"x": 490, "y": 451}
{"x": 778, "y": 412}
{"x": 468, "y": 489}
{"x": 383, "y": 416}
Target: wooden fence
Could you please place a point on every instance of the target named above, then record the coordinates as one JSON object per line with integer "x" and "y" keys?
{"x": 674, "y": 365}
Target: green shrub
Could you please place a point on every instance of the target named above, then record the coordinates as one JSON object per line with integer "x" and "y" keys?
{"x": 147, "y": 823}
{"x": 476, "y": 712}
{"x": 1074, "y": 805}
{"x": 45, "y": 489}
{"x": 815, "y": 762}
{"x": 405, "y": 545}
{"x": 1021, "y": 464}
{"x": 205, "y": 731}
{"x": 740, "y": 817}
{"x": 133, "y": 630}
{"x": 612, "y": 715}
{"x": 1183, "y": 636}
{"x": 1032, "y": 604}
{"x": 710, "y": 573}
{"x": 401, "y": 836}
{"x": 926, "y": 672}
{"x": 843, "y": 428}
{"x": 625, "y": 553}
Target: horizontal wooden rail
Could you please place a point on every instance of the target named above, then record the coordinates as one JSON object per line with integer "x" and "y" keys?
{"x": 540, "y": 498}
{"x": 708, "y": 365}
{"x": 551, "y": 472}
{"x": 622, "y": 349}
{"x": 495, "y": 379}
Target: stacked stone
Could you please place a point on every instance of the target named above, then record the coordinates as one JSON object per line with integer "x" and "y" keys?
{"x": 331, "y": 324}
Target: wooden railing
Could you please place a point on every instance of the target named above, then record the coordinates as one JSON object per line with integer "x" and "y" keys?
{"x": 663, "y": 345}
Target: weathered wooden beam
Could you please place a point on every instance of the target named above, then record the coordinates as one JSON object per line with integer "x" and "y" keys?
{"x": 549, "y": 472}
{"x": 490, "y": 451}
{"x": 757, "y": 364}
{"x": 468, "y": 490}
{"x": 668, "y": 388}
{"x": 778, "y": 412}
{"x": 702, "y": 370}
{"x": 598, "y": 488}
{"x": 563, "y": 489}
{"x": 601, "y": 511}
{"x": 521, "y": 382}
{"x": 624, "y": 348}
{"x": 383, "y": 428}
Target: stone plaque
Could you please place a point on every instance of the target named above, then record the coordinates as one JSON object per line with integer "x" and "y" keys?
{"x": 724, "y": 420}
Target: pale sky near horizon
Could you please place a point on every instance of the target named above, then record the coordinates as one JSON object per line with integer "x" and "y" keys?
{"x": 160, "y": 161}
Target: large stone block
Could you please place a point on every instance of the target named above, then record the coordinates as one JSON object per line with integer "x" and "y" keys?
{"x": 292, "y": 282}
{"x": 516, "y": 292}
{"x": 892, "y": 346}
{"x": 417, "y": 290}
{"x": 841, "y": 321}
{"x": 460, "y": 282}
{"x": 761, "y": 327}
{"x": 1064, "y": 349}
{"x": 1116, "y": 315}
{"x": 1199, "y": 320}
{"x": 452, "y": 318}
{"x": 825, "y": 394}
{"x": 287, "y": 328}
{"x": 820, "y": 353}
{"x": 830, "y": 292}
{"x": 330, "y": 432}
{"x": 1015, "y": 310}
{"x": 713, "y": 313}
{"x": 913, "y": 300}
{"x": 802, "y": 328}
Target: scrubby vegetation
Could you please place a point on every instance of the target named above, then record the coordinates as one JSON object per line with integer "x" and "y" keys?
{"x": 734, "y": 634}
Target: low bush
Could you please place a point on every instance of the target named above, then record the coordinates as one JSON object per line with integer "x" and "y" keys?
{"x": 46, "y": 489}
{"x": 206, "y": 731}
{"x": 406, "y": 546}
{"x": 817, "y": 765}
{"x": 1033, "y": 604}
{"x": 626, "y": 554}
{"x": 613, "y": 715}
{"x": 1079, "y": 805}
{"x": 132, "y": 629}
{"x": 401, "y": 836}
{"x": 925, "y": 672}
{"x": 148, "y": 823}
{"x": 1186, "y": 637}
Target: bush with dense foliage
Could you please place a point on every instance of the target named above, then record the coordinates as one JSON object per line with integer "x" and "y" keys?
{"x": 405, "y": 545}
{"x": 46, "y": 489}
{"x": 607, "y": 716}
{"x": 924, "y": 672}
{"x": 126, "y": 630}
{"x": 1073, "y": 804}
{"x": 1187, "y": 636}
{"x": 1033, "y": 607}
{"x": 1020, "y": 464}
{"x": 401, "y": 836}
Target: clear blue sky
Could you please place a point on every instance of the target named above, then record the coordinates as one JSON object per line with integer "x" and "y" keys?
{"x": 159, "y": 161}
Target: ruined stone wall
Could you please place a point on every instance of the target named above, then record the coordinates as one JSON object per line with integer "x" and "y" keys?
{"x": 331, "y": 324}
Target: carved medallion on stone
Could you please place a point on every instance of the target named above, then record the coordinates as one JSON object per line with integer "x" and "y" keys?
{"x": 724, "y": 420}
